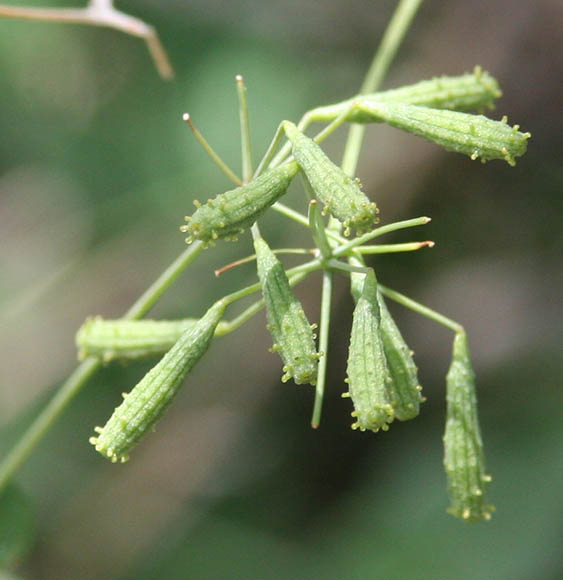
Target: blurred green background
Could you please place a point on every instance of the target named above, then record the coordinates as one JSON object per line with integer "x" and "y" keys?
{"x": 97, "y": 171}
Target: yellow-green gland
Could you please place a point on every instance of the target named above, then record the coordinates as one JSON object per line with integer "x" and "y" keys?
{"x": 144, "y": 405}
{"x": 368, "y": 375}
{"x": 473, "y": 135}
{"x": 404, "y": 390}
{"x": 230, "y": 213}
{"x": 293, "y": 336}
{"x": 463, "y": 448}
{"x": 340, "y": 193}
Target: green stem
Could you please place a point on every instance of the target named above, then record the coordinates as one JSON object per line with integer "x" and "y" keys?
{"x": 302, "y": 220}
{"x": 244, "y": 131}
{"x": 324, "y": 332}
{"x": 333, "y": 125}
{"x": 227, "y": 327}
{"x": 252, "y": 257}
{"x": 345, "y": 248}
{"x": 420, "y": 308}
{"x": 72, "y": 386}
{"x": 148, "y": 298}
{"x": 306, "y": 268}
{"x": 392, "y": 38}
{"x": 356, "y": 261}
{"x": 393, "y": 248}
{"x": 302, "y": 125}
{"x": 343, "y": 267}
{"x": 317, "y": 227}
{"x": 211, "y": 152}
{"x": 267, "y": 159}
{"x": 291, "y": 214}
{"x": 35, "y": 432}
{"x": 390, "y": 43}
{"x": 318, "y": 138}
{"x": 387, "y": 50}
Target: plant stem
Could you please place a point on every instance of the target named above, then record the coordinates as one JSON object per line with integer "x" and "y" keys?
{"x": 343, "y": 267}
{"x": 333, "y": 125}
{"x": 148, "y": 298}
{"x": 303, "y": 124}
{"x": 72, "y": 386}
{"x": 232, "y": 325}
{"x": 291, "y": 214}
{"x": 251, "y": 258}
{"x": 302, "y": 220}
{"x": 345, "y": 248}
{"x": 306, "y": 268}
{"x": 211, "y": 152}
{"x": 324, "y": 332}
{"x": 35, "y": 432}
{"x": 385, "y": 54}
{"x": 390, "y": 43}
{"x": 392, "y": 38}
{"x": 420, "y": 308}
{"x": 244, "y": 131}
{"x": 317, "y": 227}
{"x": 393, "y": 248}
{"x": 267, "y": 159}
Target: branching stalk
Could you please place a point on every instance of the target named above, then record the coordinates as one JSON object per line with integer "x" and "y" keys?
{"x": 244, "y": 131}
{"x": 394, "y": 248}
{"x": 356, "y": 242}
{"x": 252, "y": 257}
{"x": 324, "y": 331}
{"x": 390, "y": 43}
{"x": 421, "y": 309}
{"x": 375, "y": 337}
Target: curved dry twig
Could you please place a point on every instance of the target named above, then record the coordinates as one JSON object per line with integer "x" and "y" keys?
{"x": 99, "y": 13}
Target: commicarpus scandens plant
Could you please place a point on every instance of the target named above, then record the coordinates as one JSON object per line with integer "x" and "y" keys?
{"x": 382, "y": 376}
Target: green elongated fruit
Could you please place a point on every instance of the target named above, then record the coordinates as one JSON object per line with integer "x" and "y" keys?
{"x": 368, "y": 375}
{"x": 130, "y": 339}
{"x": 230, "y": 213}
{"x": 144, "y": 405}
{"x": 473, "y": 135}
{"x": 340, "y": 193}
{"x": 293, "y": 335}
{"x": 468, "y": 92}
{"x": 404, "y": 389}
{"x": 464, "y": 459}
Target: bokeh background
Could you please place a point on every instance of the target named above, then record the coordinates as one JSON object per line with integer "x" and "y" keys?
{"x": 97, "y": 171}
